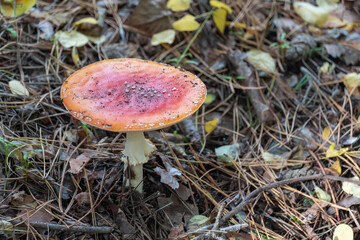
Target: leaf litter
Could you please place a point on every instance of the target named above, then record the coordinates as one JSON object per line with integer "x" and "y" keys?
{"x": 282, "y": 110}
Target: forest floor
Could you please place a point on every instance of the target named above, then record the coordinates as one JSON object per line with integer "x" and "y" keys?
{"x": 271, "y": 154}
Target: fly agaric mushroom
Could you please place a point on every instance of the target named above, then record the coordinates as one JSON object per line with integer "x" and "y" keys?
{"x": 132, "y": 96}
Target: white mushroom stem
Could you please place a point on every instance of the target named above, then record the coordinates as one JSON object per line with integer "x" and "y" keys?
{"x": 137, "y": 151}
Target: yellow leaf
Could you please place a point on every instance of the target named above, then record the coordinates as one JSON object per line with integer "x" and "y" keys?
{"x": 209, "y": 98}
{"x": 235, "y": 25}
{"x": 326, "y": 132}
{"x": 311, "y": 14}
{"x": 328, "y": 5}
{"x": 262, "y": 60}
{"x": 343, "y": 232}
{"x": 324, "y": 68}
{"x": 211, "y": 125}
{"x": 332, "y": 152}
{"x": 75, "y": 57}
{"x": 21, "y": 6}
{"x": 222, "y": 5}
{"x": 186, "y": 23}
{"x": 352, "y": 80}
{"x": 178, "y": 5}
{"x": 336, "y": 167}
{"x": 219, "y": 17}
{"x": 97, "y": 40}
{"x": 89, "y": 20}
{"x": 166, "y": 36}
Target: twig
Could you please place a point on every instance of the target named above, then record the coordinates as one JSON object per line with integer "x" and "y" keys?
{"x": 60, "y": 227}
{"x": 218, "y": 217}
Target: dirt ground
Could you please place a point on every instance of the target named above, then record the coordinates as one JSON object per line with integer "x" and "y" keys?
{"x": 271, "y": 154}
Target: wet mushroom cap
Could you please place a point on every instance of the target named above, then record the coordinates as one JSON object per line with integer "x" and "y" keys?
{"x": 132, "y": 95}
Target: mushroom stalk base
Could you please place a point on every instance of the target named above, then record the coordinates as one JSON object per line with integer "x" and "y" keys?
{"x": 136, "y": 152}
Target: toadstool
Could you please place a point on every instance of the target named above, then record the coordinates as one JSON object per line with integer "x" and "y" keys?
{"x": 132, "y": 96}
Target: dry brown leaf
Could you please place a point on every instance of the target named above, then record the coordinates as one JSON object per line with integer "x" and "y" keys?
{"x": 176, "y": 211}
{"x": 83, "y": 198}
{"x": 76, "y": 164}
{"x": 176, "y": 231}
{"x": 151, "y": 16}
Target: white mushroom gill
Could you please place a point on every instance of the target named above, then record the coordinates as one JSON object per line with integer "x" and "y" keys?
{"x": 136, "y": 154}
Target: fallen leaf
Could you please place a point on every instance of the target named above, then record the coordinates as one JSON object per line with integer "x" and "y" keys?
{"x": 311, "y": 14}
{"x": 322, "y": 195}
{"x": 314, "y": 211}
{"x": 343, "y": 232}
{"x": 123, "y": 224}
{"x": 197, "y": 221}
{"x": 326, "y": 132}
{"x": 351, "y": 81}
{"x": 261, "y": 60}
{"x": 150, "y": 16}
{"x": 186, "y": 23}
{"x": 222, "y": 5}
{"x": 351, "y": 188}
{"x": 90, "y": 20}
{"x": 336, "y": 167}
{"x": 235, "y": 25}
{"x": 166, "y": 36}
{"x": 88, "y": 26}
{"x": 345, "y": 202}
{"x": 76, "y": 164}
{"x": 328, "y": 5}
{"x": 183, "y": 192}
{"x": 209, "y": 98}
{"x": 176, "y": 231}
{"x": 47, "y": 29}
{"x": 168, "y": 175}
{"x": 71, "y": 39}
{"x": 83, "y": 198}
{"x": 6, "y": 227}
{"x": 97, "y": 40}
{"x": 72, "y": 135}
{"x": 211, "y": 125}
{"x": 227, "y": 153}
{"x": 326, "y": 68}
{"x": 22, "y": 200}
{"x": 178, "y": 212}
{"x": 178, "y": 5}
{"x": 17, "y": 88}
{"x": 75, "y": 57}
{"x": 21, "y": 6}
{"x": 332, "y": 152}
{"x": 335, "y": 50}
{"x": 219, "y": 17}
{"x": 35, "y": 215}
{"x": 276, "y": 161}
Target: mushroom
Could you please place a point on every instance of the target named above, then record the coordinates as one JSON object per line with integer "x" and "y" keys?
{"x": 132, "y": 96}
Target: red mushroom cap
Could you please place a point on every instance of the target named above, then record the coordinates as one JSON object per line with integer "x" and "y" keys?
{"x": 132, "y": 95}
